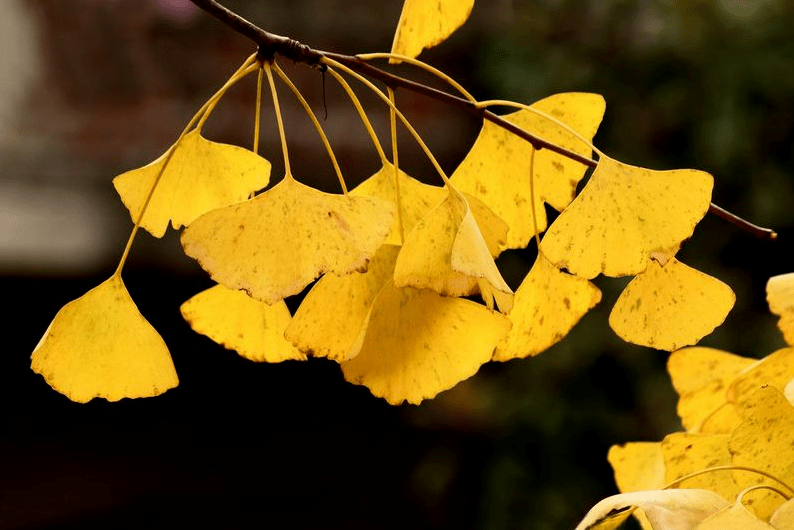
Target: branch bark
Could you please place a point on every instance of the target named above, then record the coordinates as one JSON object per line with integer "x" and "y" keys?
{"x": 271, "y": 45}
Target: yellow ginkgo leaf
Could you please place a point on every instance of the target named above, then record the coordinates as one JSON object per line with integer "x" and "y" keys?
{"x": 783, "y": 518}
{"x": 492, "y": 227}
{"x": 679, "y": 509}
{"x": 685, "y": 453}
{"x": 701, "y": 377}
{"x": 446, "y": 252}
{"x": 547, "y": 304}
{"x": 418, "y": 198}
{"x": 667, "y": 307}
{"x": 332, "y": 314}
{"x": 780, "y": 296}
{"x": 236, "y": 321}
{"x": 101, "y": 346}
{"x": 733, "y": 516}
{"x": 418, "y": 343}
{"x": 624, "y": 215}
{"x": 776, "y": 369}
{"x": 765, "y": 441}
{"x": 425, "y": 23}
{"x": 200, "y": 177}
{"x": 273, "y": 245}
{"x": 723, "y": 420}
{"x": 637, "y": 466}
{"x": 497, "y": 168}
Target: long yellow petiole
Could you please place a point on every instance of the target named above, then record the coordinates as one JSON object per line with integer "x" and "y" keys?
{"x": 424, "y": 66}
{"x": 507, "y": 103}
{"x": 395, "y": 159}
{"x": 532, "y": 195}
{"x": 202, "y": 113}
{"x": 675, "y": 483}
{"x": 361, "y": 113}
{"x": 279, "y": 121}
{"x": 258, "y": 109}
{"x": 405, "y": 122}
{"x": 316, "y": 123}
{"x": 762, "y": 487}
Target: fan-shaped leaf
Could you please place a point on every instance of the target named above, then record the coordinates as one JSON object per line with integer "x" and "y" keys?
{"x": 446, "y": 252}
{"x": 425, "y": 23}
{"x": 780, "y": 296}
{"x": 670, "y": 306}
{"x": 547, "y": 304}
{"x": 623, "y": 216}
{"x": 273, "y": 245}
{"x": 701, "y": 377}
{"x": 497, "y": 168}
{"x": 101, "y": 346}
{"x": 335, "y": 310}
{"x": 200, "y": 177}
{"x": 418, "y": 343}
{"x": 233, "y": 319}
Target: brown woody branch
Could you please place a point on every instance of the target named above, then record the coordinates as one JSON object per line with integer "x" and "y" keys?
{"x": 271, "y": 45}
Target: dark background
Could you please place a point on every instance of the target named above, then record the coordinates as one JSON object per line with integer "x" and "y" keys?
{"x": 92, "y": 88}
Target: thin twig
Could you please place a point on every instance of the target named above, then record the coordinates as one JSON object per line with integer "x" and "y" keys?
{"x": 271, "y": 44}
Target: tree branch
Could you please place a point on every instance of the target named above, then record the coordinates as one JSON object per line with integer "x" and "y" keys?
{"x": 271, "y": 45}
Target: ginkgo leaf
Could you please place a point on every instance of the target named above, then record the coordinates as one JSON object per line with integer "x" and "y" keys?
{"x": 765, "y": 441}
{"x": 624, "y": 215}
{"x": 233, "y": 319}
{"x": 547, "y": 304}
{"x": 417, "y": 343}
{"x": 783, "y": 518}
{"x": 780, "y": 296}
{"x": 637, "y": 466}
{"x": 667, "y": 307}
{"x": 273, "y": 245}
{"x": 425, "y": 23}
{"x": 678, "y": 509}
{"x": 497, "y": 167}
{"x": 733, "y": 516}
{"x": 701, "y": 377}
{"x": 776, "y": 369}
{"x": 417, "y": 199}
{"x": 723, "y": 420}
{"x": 101, "y": 346}
{"x": 446, "y": 252}
{"x": 332, "y": 314}
{"x": 201, "y": 176}
{"x": 685, "y": 453}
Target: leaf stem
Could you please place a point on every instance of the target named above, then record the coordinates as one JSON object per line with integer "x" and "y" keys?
{"x": 396, "y": 162}
{"x": 258, "y": 111}
{"x": 316, "y": 123}
{"x": 405, "y": 122}
{"x": 762, "y": 487}
{"x": 279, "y": 121}
{"x": 532, "y": 196}
{"x": 271, "y": 44}
{"x": 537, "y": 112}
{"x": 424, "y": 66}
{"x": 212, "y": 103}
{"x": 679, "y": 480}
{"x": 204, "y": 111}
{"x": 361, "y": 113}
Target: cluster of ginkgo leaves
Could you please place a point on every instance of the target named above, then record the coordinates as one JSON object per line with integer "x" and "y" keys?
{"x": 398, "y": 259}
{"x": 736, "y": 457}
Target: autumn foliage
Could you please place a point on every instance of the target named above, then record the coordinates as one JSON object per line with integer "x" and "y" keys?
{"x": 409, "y": 300}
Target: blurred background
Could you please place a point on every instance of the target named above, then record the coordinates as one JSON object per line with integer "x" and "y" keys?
{"x": 93, "y": 88}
